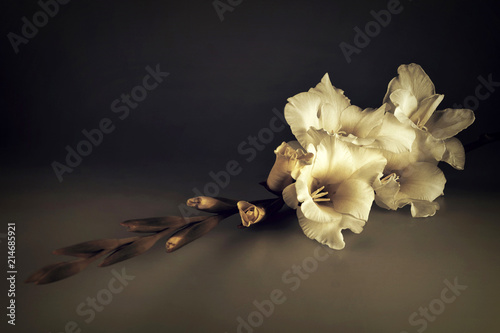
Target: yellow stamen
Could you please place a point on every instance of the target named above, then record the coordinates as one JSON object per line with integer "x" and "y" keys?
{"x": 317, "y": 195}
{"x": 386, "y": 178}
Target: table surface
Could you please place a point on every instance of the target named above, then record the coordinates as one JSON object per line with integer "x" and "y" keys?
{"x": 270, "y": 278}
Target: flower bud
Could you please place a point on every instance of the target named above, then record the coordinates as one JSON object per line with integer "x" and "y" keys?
{"x": 58, "y": 271}
{"x": 212, "y": 205}
{"x": 157, "y": 224}
{"x": 192, "y": 232}
{"x": 250, "y": 213}
{"x": 92, "y": 248}
{"x": 288, "y": 162}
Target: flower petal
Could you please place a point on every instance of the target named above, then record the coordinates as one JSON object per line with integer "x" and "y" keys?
{"x": 290, "y": 196}
{"x": 425, "y": 148}
{"x": 303, "y": 184}
{"x": 394, "y": 136}
{"x": 316, "y": 136}
{"x": 324, "y": 233}
{"x": 368, "y": 164}
{"x": 319, "y": 212}
{"x": 353, "y": 197}
{"x": 386, "y": 191}
{"x": 413, "y": 78}
{"x": 357, "y": 141}
{"x": 329, "y": 233}
{"x": 329, "y": 118}
{"x": 454, "y": 154}
{"x": 331, "y": 95}
{"x": 423, "y": 208}
{"x": 421, "y": 181}
{"x": 333, "y": 161}
{"x": 250, "y": 213}
{"x": 361, "y": 122}
{"x": 446, "y": 123}
{"x": 403, "y": 103}
{"x": 301, "y": 113}
{"x": 425, "y": 109}
{"x": 352, "y": 223}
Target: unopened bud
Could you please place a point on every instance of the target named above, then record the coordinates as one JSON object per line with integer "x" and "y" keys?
{"x": 288, "y": 162}
{"x": 192, "y": 232}
{"x": 250, "y": 213}
{"x": 212, "y": 205}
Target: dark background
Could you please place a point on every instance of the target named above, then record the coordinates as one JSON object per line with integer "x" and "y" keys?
{"x": 225, "y": 79}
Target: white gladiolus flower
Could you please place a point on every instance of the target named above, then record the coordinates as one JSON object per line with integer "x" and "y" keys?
{"x": 326, "y": 107}
{"x": 419, "y": 184}
{"x": 412, "y": 98}
{"x": 334, "y": 192}
{"x": 413, "y": 177}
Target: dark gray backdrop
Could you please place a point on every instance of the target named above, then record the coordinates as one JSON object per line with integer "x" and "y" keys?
{"x": 225, "y": 78}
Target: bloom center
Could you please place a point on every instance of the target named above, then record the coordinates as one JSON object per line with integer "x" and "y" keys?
{"x": 250, "y": 213}
{"x": 388, "y": 177}
{"x": 317, "y": 195}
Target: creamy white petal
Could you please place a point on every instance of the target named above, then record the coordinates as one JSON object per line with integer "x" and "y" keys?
{"x": 454, "y": 154}
{"x": 386, "y": 191}
{"x": 290, "y": 196}
{"x": 425, "y": 109}
{"x": 331, "y": 95}
{"x": 361, "y": 122}
{"x": 353, "y": 197}
{"x": 446, "y": 123}
{"x": 316, "y": 135}
{"x": 394, "y": 136}
{"x": 404, "y": 104}
{"x": 369, "y": 164}
{"x": 319, "y": 212}
{"x": 301, "y": 113}
{"x": 329, "y": 118}
{"x": 428, "y": 148}
{"x": 425, "y": 148}
{"x": 304, "y": 183}
{"x": 356, "y": 140}
{"x": 423, "y": 208}
{"x": 329, "y": 234}
{"x": 396, "y": 161}
{"x": 333, "y": 161}
{"x": 352, "y": 223}
{"x": 413, "y": 78}
{"x": 421, "y": 181}
{"x": 325, "y": 233}
{"x": 304, "y": 159}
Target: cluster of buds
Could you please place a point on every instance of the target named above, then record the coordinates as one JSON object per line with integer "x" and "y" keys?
{"x": 178, "y": 230}
{"x": 250, "y": 212}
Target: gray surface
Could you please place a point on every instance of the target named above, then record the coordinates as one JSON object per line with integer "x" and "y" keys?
{"x": 397, "y": 265}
